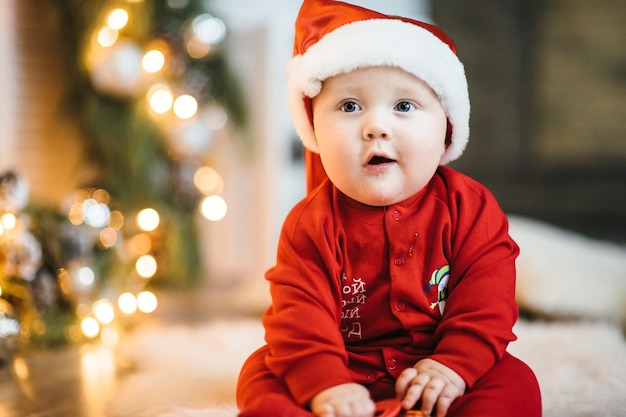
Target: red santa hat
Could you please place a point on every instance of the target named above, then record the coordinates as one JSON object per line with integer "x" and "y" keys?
{"x": 333, "y": 37}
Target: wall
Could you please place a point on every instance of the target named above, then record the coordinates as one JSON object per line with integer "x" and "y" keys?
{"x": 548, "y": 86}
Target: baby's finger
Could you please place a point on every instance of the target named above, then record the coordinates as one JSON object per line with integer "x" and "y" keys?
{"x": 415, "y": 391}
{"x": 404, "y": 382}
{"x": 325, "y": 410}
{"x": 431, "y": 393}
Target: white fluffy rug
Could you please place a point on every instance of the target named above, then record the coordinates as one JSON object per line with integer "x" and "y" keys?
{"x": 192, "y": 371}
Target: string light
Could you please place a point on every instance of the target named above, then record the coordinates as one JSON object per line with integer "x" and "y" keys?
{"x": 146, "y": 266}
{"x": 116, "y": 220}
{"x": 127, "y": 303}
{"x": 107, "y": 37}
{"x": 90, "y": 327}
{"x": 103, "y": 310}
{"x": 185, "y": 106}
{"x": 95, "y": 214}
{"x": 117, "y": 19}
{"x": 160, "y": 99}
{"x": 86, "y": 277}
{"x": 9, "y": 221}
{"x": 213, "y": 208}
{"x": 208, "y": 181}
{"x": 147, "y": 302}
{"x": 148, "y": 219}
{"x": 153, "y": 61}
{"x": 138, "y": 245}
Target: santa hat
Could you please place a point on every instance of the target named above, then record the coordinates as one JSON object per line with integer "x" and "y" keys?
{"x": 333, "y": 37}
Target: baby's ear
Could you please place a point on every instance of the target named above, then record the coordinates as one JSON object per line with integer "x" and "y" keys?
{"x": 448, "y": 135}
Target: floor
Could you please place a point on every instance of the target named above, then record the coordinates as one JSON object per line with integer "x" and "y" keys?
{"x": 93, "y": 380}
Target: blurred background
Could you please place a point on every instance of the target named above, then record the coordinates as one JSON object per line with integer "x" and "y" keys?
{"x": 146, "y": 146}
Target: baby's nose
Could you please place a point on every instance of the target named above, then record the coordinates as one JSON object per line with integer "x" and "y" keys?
{"x": 376, "y": 127}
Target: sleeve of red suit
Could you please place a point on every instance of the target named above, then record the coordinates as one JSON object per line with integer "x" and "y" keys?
{"x": 480, "y": 312}
{"x": 307, "y": 350}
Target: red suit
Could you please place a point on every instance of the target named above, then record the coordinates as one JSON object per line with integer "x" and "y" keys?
{"x": 360, "y": 293}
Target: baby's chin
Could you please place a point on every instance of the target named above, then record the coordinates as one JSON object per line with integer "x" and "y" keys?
{"x": 380, "y": 198}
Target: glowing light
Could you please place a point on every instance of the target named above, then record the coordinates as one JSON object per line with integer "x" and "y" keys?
{"x": 147, "y": 302}
{"x": 153, "y": 61}
{"x": 148, "y": 219}
{"x": 208, "y": 181}
{"x": 76, "y": 214}
{"x": 20, "y": 367}
{"x": 107, "y": 37}
{"x": 1, "y": 229}
{"x": 127, "y": 303}
{"x": 95, "y": 214}
{"x": 9, "y": 221}
{"x": 208, "y": 29}
{"x": 160, "y": 99}
{"x": 117, "y": 19}
{"x": 140, "y": 244}
{"x": 117, "y": 220}
{"x": 103, "y": 310}
{"x": 86, "y": 277}
{"x": 196, "y": 48}
{"x": 108, "y": 237}
{"x": 185, "y": 106}
{"x": 146, "y": 266}
{"x": 101, "y": 196}
{"x": 0, "y": 289}
{"x": 90, "y": 327}
{"x": 213, "y": 208}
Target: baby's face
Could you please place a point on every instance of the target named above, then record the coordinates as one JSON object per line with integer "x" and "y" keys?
{"x": 381, "y": 133}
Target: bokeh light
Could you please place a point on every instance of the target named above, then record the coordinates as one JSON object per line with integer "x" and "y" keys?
{"x": 147, "y": 302}
{"x": 208, "y": 181}
{"x": 138, "y": 245}
{"x": 148, "y": 219}
{"x": 153, "y": 61}
{"x": 146, "y": 266}
{"x": 9, "y": 221}
{"x": 127, "y": 303}
{"x": 86, "y": 277}
{"x": 90, "y": 327}
{"x": 103, "y": 310}
{"x": 117, "y": 19}
{"x": 185, "y": 106}
{"x": 95, "y": 214}
{"x": 107, "y": 37}
{"x": 108, "y": 237}
{"x": 213, "y": 208}
{"x": 160, "y": 99}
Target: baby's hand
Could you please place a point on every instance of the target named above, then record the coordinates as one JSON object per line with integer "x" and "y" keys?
{"x": 436, "y": 384}
{"x": 345, "y": 400}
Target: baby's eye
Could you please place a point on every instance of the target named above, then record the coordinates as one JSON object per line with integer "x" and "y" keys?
{"x": 404, "y": 106}
{"x": 350, "y": 106}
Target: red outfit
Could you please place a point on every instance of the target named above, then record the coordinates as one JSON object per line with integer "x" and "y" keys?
{"x": 361, "y": 293}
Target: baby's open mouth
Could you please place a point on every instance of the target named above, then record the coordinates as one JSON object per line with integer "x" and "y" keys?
{"x": 377, "y": 160}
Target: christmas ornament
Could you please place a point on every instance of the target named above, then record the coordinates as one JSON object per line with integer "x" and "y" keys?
{"x": 9, "y": 332}
{"x": 13, "y": 191}
{"x": 116, "y": 69}
{"x": 20, "y": 254}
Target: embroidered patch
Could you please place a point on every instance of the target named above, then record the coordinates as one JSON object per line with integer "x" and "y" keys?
{"x": 440, "y": 279}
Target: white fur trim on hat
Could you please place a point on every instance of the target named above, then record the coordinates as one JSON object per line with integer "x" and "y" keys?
{"x": 377, "y": 42}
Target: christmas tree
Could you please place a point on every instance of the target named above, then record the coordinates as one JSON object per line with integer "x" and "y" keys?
{"x": 152, "y": 92}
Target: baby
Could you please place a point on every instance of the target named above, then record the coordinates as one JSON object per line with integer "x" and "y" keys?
{"x": 395, "y": 276}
